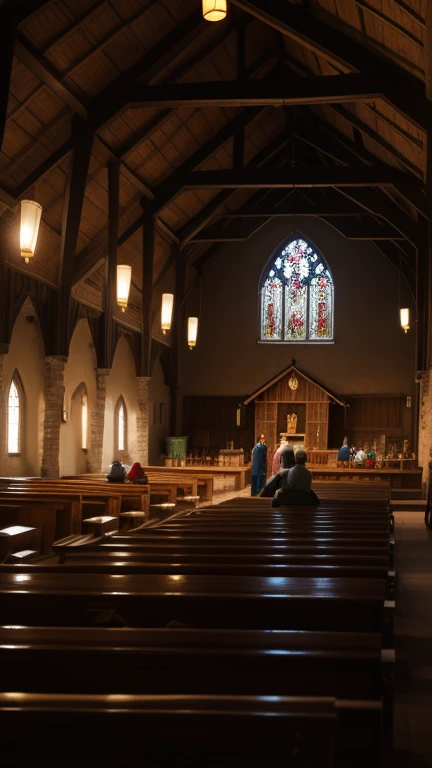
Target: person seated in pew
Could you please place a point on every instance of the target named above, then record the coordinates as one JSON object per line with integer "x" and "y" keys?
{"x": 297, "y": 486}
{"x": 136, "y": 474}
{"x": 117, "y": 473}
{"x": 344, "y": 451}
{"x": 287, "y": 461}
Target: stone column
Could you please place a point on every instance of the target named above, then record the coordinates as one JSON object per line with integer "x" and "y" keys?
{"x": 54, "y": 394}
{"x": 97, "y": 421}
{"x": 142, "y": 419}
{"x": 425, "y": 423}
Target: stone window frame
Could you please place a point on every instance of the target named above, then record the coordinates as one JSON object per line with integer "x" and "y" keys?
{"x": 120, "y": 402}
{"x": 17, "y": 381}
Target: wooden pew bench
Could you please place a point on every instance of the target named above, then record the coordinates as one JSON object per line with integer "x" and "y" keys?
{"x": 116, "y": 731}
{"x": 346, "y": 666}
{"x": 146, "y": 600}
{"x": 120, "y": 563}
{"x": 126, "y": 495}
{"x": 55, "y": 514}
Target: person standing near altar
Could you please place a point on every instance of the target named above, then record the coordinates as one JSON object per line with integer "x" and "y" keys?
{"x": 276, "y": 461}
{"x": 259, "y": 465}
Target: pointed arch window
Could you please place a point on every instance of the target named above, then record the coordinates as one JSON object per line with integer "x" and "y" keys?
{"x": 297, "y": 296}
{"x": 120, "y": 430}
{"x": 14, "y": 415}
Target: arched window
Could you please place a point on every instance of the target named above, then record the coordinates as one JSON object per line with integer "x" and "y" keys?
{"x": 14, "y": 415}
{"x": 84, "y": 421}
{"x": 297, "y": 296}
{"x": 120, "y": 430}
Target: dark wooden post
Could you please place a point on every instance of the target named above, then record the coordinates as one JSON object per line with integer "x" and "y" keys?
{"x": 105, "y": 349}
{"x": 72, "y": 209}
{"x": 147, "y": 289}
{"x": 177, "y": 337}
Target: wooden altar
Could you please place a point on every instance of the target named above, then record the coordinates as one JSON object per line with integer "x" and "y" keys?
{"x": 292, "y": 405}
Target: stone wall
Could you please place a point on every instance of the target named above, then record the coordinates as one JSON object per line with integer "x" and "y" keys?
{"x": 425, "y": 423}
{"x": 54, "y": 395}
{"x": 97, "y": 422}
{"x": 143, "y": 418}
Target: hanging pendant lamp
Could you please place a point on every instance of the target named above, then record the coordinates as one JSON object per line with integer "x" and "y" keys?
{"x": 214, "y": 10}
{"x": 167, "y": 311}
{"x": 405, "y": 319}
{"x": 192, "y": 332}
{"x": 124, "y": 276}
{"x": 31, "y": 213}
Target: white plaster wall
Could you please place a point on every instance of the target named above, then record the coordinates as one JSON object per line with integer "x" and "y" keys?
{"x": 121, "y": 381}
{"x": 79, "y": 369}
{"x": 26, "y": 354}
{"x": 159, "y": 414}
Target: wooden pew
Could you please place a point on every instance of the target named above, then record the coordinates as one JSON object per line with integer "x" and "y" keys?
{"x": 164, "y": 731}
{"x": 166, "y": 483}
{"x": 119, "y": 563}
{"x": 55, "y": 514}
{"x": 347, "y": 666}
{"x": 127, "y": 495}
{"x": 200, "y": 600}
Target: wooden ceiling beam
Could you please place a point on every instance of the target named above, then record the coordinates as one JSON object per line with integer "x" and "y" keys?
{"x": 42, "y": 68}
{"x": 337, "y": 176}
{"x": 167, "y": 50}
{"x": 369, "y": 229}
{"x": 269, "y": 154}
{"x": 103, "y": 108}
{"x": 7, "y": 37}
{"x": 405, "y": 91}
{"x": 235, "y": 231}
{"x": 278, "y": 205}
{"x": 287, "y": 92}
{"x": 207, "y": 149}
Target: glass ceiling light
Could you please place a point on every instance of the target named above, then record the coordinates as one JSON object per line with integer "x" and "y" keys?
{"x": 31, "y": 213}
{"x": 214, "y": 10}
{"x": 166, "y": 311}
{"x": 404, "y": 319}
{"x": 124, "y": 276}
{"x": 192, "y": 332}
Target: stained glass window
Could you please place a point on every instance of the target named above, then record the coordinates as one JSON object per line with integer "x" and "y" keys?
{"x": 13, "y": 419}
{"x": 297, "y": 296}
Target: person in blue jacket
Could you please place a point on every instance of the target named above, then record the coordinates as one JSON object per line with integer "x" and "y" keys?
{"x": 259, "y": 465}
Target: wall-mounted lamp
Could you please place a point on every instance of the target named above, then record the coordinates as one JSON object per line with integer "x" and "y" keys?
{"x": 167, "y": 311}
{"x": 124, "y": 277}
{"x": 405, "y": 319}
{"x": 192, "y": 332}
{"x": 214, "y": 10}
{"x": 408, "y": 402}
{"x": 31, "y": 213}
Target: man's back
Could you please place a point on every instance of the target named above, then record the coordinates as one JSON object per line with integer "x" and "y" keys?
{"x": 299, "y": 477}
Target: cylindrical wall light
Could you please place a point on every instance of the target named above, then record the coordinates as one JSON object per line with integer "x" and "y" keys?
{"x": 124, "y": 277}
{"x": 31, "y": 213}
{"x": 214, "y": 10}
{"x": 404, "y": 319}
{"x": 192, "y": 332}
{"x": 166, "y": 311}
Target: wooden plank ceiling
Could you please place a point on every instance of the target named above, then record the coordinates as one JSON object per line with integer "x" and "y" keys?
{"x": 317, "y": 107}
